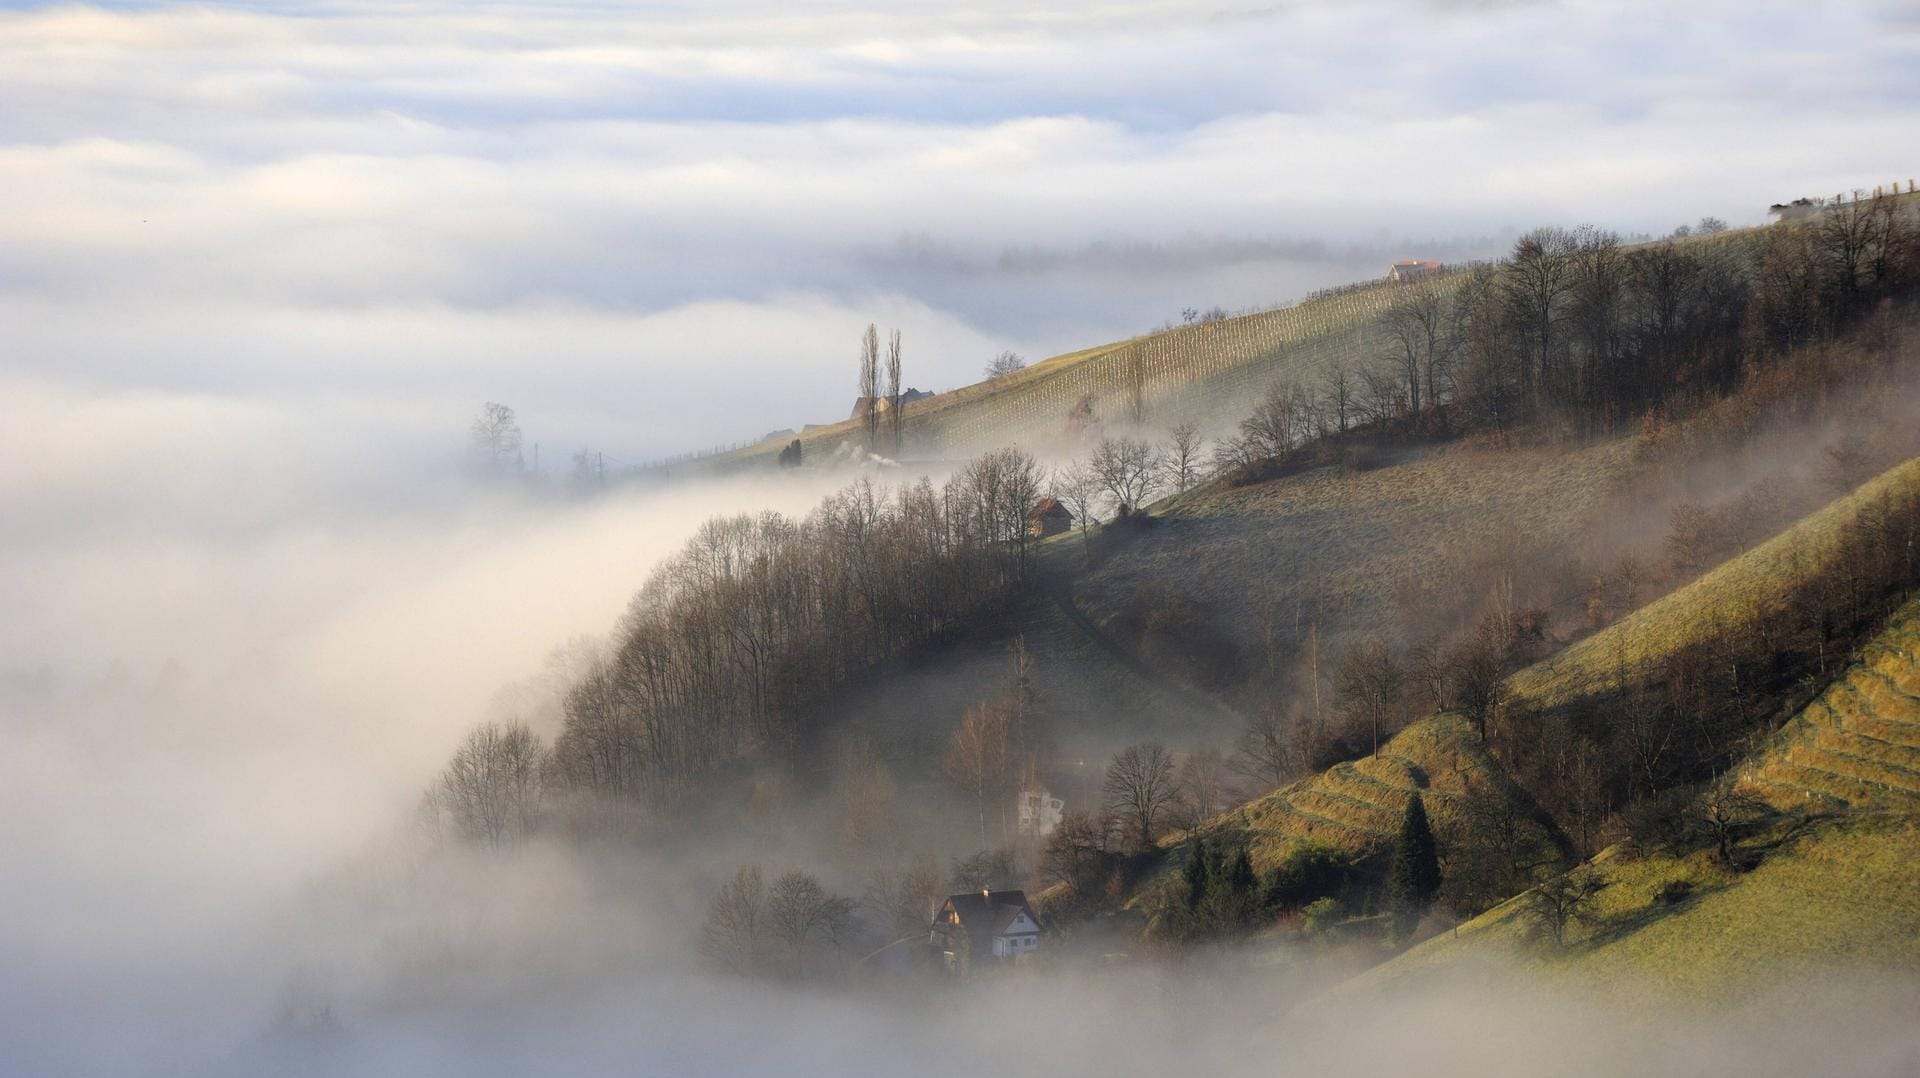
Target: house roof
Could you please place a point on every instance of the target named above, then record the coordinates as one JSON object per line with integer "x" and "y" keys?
{"x": 1004, "y": 919}
{"x": 985, "y": 914}
{"x": 1047, "y": 507}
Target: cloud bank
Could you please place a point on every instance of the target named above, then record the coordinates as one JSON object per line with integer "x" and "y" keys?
{"x": 591, "y": 210}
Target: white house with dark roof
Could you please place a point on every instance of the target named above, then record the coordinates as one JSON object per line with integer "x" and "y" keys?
{"x": 984, "y": 927}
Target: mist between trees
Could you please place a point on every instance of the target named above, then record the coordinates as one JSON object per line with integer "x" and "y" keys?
{"x": 739, "y": 649}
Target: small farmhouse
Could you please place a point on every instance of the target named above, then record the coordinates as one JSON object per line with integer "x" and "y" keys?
{"x": 982, "y": 928}
{"x": 1412, "y": 269}
{"x": 884, "y": 403}
{"x": 1048, "y": 517}
{"x": 1797, "y": 210}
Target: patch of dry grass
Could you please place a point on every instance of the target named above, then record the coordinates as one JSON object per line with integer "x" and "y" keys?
{"x": 1370, "y": 550}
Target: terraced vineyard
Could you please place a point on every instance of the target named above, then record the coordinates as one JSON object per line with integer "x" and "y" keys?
{"x": 1857, "y": 745}
{"x": 1200, "y": 371}
{"x": 1358, "y": 806}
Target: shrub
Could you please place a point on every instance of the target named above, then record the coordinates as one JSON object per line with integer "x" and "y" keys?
{"x": 1310, "y": 872}
{"x": 1321, "y": 915}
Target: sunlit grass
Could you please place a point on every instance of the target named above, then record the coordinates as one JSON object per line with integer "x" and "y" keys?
{"x": 1743, "y": 588}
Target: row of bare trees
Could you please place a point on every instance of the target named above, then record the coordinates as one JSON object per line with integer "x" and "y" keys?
{"x": 735, "y": 644}
{"x": 871, "y": 401}
{"x": 1578, "y": 325}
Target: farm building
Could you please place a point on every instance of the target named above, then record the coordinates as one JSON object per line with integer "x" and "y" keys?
{"x": 984, "y": 927}
{"x": 1048, "y": 517}
{"x": 1798, "y": 209}
{"x": 1412, "y": 269}
{"x": 1039, "y": 813}
{"x": 882, "y": 403}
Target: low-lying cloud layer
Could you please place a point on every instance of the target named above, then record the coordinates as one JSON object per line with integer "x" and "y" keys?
{"x": 261, "y": 263}
{"x": 584, "y": 208}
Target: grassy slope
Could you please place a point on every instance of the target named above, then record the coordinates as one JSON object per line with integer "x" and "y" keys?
{"x": 1857, "y": 746}
{"x": 1841, "y": 887}
{"x": 1367, "y": 548}
{"x": 1241, "y": 551}
{"x": 1738, "y": 589}
{"x": 1357, "y": 806}
{"x": 1845, "y": 890}
{"x": 1202, "y": 371}
{"x": 1209, "y": 373}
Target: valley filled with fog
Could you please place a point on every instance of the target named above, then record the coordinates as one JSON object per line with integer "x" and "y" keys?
{"x": 264, "y": 263}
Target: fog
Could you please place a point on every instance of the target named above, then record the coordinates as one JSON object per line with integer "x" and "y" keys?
{"x": 262, "y": 263}
{"x": 586, "y": 210}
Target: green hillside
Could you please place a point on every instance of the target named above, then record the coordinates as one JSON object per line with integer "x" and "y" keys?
{"x": 1835, "y": 876}
{"x": 1741, "y": 590}
{"x": 1358, "y": 805}
{"x": 1858, "y": 745}
{"x": 1206, "y": 371}
{"x": 1841, "y": 893}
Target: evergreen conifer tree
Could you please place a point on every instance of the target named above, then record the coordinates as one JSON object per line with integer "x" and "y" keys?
{"x": 1413, "y": 878}
{"x": 1240, "y": 889}
{"x": 1198, "y": 875}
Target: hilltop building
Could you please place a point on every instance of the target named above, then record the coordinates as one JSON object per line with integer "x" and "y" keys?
{"x": 1048, "y": 517}
{"x": 882, "y": 403}
{"x": 1798, "y": 209}
{"x": 1039, "y": 813}
{"x": 1413, "y": 269}
{"x": 984, "y": 928}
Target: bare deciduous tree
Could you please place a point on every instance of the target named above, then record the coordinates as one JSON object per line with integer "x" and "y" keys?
{"x": 870, "y": 385}
{"x": 980, "y": 758}
{"x": 1004, "y": 364}
{"x": 496, "y": 438}
{"x": 1417, "y": 326}
{"x": 894, "y": 403}
{"x": 1139, "y": 787}
{"x": 1079, "y": 489}
{"x": 1565, "y": 900}
{"x": 1076, "y": 853}
{"x": 1203, "y": 787}
{"x": 1182, "y": 457}
{"x": 1539, "y": 279}
{"x": 1127, "y": 470}
{"x": 903, "y": 900}
{"x": 1368, "y": 684}
{"x": 801, "y": 914}
{"x": 1266, "y": 752}
{"x": 732, "y": 938}
{"x": 490, "y": 791}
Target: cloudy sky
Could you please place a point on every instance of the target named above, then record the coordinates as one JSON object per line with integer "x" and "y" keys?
{"x": 656, "y": 227}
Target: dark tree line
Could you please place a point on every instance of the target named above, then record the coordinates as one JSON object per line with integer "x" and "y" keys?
{"x": 735, "y": 644}
{"x": 1579, "y": 331}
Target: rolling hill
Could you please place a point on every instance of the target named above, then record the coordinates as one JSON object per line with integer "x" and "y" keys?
{"x": 1827, "y": 872}
{"x": 1745, "y": 588}
{"x": 1857, "y": 746}
{"x": 1357, "y": 806}
{"x": 1205, "y": 371}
